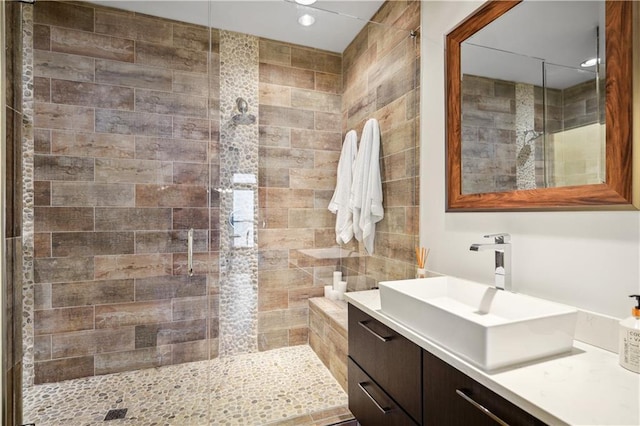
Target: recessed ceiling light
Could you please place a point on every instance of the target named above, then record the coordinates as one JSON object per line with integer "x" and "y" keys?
{"x": 305, "y": 2}
{"x": 306, "y": 20}
{"x": 590, "y": 62}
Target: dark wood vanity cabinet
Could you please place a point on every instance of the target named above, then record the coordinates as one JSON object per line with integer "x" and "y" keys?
{"x": 454, "y": 399}
{"x": 370, "y": 404}
{"x": 394, "y": 382}
{"x": 387, "y": 362}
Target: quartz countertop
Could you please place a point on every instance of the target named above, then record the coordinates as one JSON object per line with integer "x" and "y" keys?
{"x": 584, "y": 387}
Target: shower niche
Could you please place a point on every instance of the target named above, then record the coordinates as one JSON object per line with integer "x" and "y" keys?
{"x": 242, "y": 219}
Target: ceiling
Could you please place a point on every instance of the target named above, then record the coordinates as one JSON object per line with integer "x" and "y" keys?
{"x": 337, "y": 22}
{"x": 562, "y": 33}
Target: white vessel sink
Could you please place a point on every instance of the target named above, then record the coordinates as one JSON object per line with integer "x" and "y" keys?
{"x": 488, "y": 327}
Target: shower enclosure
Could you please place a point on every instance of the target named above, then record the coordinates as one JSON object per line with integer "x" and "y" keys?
{"x": 177, "y": 178}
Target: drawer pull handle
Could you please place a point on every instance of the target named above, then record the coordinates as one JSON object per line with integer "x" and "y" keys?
{"x": 480, "y": 407}
{"x": 366, "y": 392}
{"x": 364, "y": 325}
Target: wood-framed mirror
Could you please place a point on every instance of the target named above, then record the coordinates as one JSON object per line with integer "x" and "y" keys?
{"x": 611, "y": 187}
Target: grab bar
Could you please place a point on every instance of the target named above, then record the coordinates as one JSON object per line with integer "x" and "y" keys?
{"x": 190, "y": 252}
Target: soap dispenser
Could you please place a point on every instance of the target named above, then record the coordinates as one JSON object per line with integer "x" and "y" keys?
{"x": 629, "y": 349}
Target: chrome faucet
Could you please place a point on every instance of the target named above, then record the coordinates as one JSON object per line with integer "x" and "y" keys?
{"x": 502, "y": 247}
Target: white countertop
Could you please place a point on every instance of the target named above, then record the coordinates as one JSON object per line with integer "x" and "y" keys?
{"x": 584, "y": 387}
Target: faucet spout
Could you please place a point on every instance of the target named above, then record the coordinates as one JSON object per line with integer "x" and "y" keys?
{"x": 483, "y": 247}
{"x": 502, "y": 266}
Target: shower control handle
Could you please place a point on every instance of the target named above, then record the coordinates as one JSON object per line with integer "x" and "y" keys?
{"x": 233, "y": 220}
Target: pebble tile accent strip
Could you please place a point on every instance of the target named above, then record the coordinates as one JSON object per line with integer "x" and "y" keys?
{"x": 278, "y": 387}
{"x": 238, "y": 155}
{"x": 28, "y": 147}
{"x": 525, "y": 147}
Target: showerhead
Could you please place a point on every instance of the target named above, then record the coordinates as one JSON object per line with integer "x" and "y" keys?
{"x": 243, "y": 118}
{"x": 531, "y": 135}
{"x": 243, "y": 106}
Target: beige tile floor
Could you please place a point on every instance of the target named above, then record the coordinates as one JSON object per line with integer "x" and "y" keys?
{"x": 286, "y": 386}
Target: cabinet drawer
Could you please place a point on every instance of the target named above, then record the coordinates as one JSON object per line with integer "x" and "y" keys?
{"x": 371, "y": 405}
{"x": 391, "y": 360}
{"x": 452, "y": 398}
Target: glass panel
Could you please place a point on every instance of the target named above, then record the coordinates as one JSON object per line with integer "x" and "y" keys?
{"x": 385, "y": 87}
{"x": 121, "y": 175}
{"x": 284, "y": 110}
{"x": 575, "y": 139}
{"x": 182, "y": 178}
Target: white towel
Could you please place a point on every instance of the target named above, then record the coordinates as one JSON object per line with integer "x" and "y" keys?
{"x": 339, "y": 204}
{"x": 366, "y": 190}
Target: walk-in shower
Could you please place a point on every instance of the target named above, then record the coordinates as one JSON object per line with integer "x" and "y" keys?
{"x": 176, "y": 184}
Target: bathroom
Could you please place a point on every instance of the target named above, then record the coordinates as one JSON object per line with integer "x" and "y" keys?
{"x": 587, "y": 259}
{"x": 135, "y": 117}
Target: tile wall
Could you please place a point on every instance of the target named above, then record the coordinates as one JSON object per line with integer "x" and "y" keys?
{"x": 492, "y": 122}
{"x": 123, "y": 149}
{"x": 126, "y": 145}
{"x": 300, "y": 140}
{"x": 381, "y": 80}
{"x": 328, "y": 335}
{"x": 14, "y": 113}
{"x": 489, "y": 116}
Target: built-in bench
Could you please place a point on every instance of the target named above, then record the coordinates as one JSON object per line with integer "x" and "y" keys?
{"x": 328, "y": 335}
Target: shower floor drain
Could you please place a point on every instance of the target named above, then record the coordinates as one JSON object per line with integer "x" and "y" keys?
{"x": 119, "y": 413}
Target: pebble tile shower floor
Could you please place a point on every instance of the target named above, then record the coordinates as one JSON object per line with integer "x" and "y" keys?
{"x": 287, "y": 386}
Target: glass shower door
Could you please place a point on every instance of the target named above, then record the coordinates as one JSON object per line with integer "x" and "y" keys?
{"x": 124, "y": 273}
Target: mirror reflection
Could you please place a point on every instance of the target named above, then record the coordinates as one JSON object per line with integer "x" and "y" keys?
{"x": 532, "y": 99}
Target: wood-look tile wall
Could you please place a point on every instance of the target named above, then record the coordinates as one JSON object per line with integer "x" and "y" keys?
{"x": 328, "y": 335}
{"x": 300, "y": 141}
{"x": 11, "y": 366}
{"x": 381, "y": 80}
{"x": 124, "y": 138}
{"x": 581, "y": 106}
{"x": 126, "y": 141}
{"x": 488, "y": 134}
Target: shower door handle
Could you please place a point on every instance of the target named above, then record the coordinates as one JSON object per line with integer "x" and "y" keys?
{"x": 190, "y": 252}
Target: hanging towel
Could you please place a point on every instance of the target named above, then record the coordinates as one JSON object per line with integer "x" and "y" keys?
{"x": 339, "y": 204}
{"x": 366, "y": 190}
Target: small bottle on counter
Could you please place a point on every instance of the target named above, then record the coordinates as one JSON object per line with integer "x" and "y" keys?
{"x": 629, "y": 349}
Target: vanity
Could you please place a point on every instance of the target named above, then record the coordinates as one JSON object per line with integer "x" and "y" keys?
{"x": 398, "y": 376}
{"x": 402, "y": 368}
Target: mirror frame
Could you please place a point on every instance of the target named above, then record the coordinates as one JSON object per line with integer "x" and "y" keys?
{"x": 616, "y": 192}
